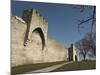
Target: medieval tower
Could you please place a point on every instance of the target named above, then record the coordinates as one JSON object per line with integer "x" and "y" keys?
{"x": 30, "y": 43}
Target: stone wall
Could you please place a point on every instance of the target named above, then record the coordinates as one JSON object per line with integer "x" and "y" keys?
{"x": 55, "y": 51}
{"x": 18, "y": 30}
{"x": 30, "y": 43}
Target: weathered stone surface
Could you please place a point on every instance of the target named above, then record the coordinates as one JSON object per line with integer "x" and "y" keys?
{"x": 18, "y": 30}
{"x": 55, "y": 51}
{"x": 30, "y": 43}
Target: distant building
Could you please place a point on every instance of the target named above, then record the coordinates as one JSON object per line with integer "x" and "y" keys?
{"x": 72, "y": 53}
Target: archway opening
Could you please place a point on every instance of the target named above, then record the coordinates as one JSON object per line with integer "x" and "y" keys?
{"x": 40, "y": 32}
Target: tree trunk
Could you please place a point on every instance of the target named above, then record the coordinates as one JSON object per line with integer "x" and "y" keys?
{"x": 84, "y": 56}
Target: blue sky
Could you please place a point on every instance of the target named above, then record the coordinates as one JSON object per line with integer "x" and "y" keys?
{"x": 62, "y": 19}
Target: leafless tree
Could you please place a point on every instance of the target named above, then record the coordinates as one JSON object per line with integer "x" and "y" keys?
{"x": 90, "y": 19}
{"x": 87, "y": 44}
{"x": 83, "y": 50}
{"x": 91, "y": 41}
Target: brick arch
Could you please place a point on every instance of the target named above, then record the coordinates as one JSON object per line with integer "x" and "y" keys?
{"x": 39, "y": 30}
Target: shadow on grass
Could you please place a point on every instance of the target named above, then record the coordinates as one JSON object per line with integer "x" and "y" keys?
{"x": 83, "y": 65}
{"x": 31, "y": 67}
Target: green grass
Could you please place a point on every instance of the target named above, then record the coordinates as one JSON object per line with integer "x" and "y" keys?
{"x": 83, "y": 65}
{"x": 31, "y": 67}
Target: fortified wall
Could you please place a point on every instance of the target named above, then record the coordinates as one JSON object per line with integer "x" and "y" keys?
{"x": 30, "y": 43}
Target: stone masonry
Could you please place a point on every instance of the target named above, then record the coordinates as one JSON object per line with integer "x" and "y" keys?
{"x": 30, "y": 43}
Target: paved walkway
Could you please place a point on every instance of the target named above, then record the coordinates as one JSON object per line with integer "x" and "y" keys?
{"x": 48, "y": 69}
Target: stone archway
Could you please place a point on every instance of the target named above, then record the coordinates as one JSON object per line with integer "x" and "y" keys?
{"x": 35, "y": 46}
{"x": 35, "y": 23}
{"x": 40, "y": 33}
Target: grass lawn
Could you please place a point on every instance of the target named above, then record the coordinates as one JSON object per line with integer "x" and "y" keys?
{"x": 31, "y": 67}
{"x": 83, "y": 65}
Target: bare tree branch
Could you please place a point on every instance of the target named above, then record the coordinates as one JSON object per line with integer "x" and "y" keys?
{"x": 91, "y": 18}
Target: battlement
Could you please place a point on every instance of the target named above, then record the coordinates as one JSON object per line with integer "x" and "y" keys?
{"x": 28, "y": 14}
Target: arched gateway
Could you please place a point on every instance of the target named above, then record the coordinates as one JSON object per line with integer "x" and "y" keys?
{"x": 35, "y": 22}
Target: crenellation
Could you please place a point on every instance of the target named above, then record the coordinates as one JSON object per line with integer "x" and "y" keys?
{"x": 27, "y": 16}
